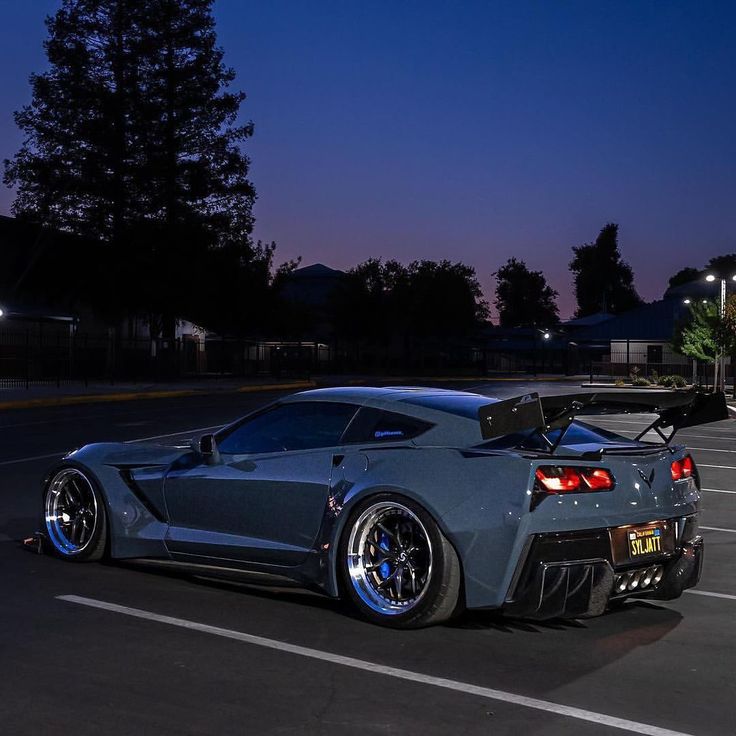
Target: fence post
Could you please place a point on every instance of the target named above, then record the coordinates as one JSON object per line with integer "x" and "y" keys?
{"x": 28, "y": 357}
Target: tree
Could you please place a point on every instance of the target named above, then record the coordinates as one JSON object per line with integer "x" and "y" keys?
{"x": 698, "y": 338}
{"x": 726, "y": 335}
{"x": 131, "y": 138}
{"x": 724, "y": 265}
{"x": 603, "y": 281}
{"x": 684, "y": 276}
{"x": 523, "y": 297}
{"x": 380, "y": 301}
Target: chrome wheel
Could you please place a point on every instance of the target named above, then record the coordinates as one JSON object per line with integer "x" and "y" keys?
{"x": 389, "y": 558}
{"x": 70, "y": 511}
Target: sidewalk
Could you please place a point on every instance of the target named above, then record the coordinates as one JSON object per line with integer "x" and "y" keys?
{"x": 76, "y": 393}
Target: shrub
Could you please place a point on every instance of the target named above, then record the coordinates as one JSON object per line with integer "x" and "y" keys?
{"x": 640, "y": 381}
{"x": 672, "y": 381}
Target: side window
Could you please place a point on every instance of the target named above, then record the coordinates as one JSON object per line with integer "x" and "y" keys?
{"x": 297, "y": 426}
{"x": 375, "y": 425}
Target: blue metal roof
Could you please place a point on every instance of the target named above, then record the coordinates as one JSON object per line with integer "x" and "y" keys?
{"x": 655, "y": 321}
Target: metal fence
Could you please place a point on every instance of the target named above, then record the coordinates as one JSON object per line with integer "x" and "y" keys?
{"x": 698, "y": 372}
{"x": 34, "y": 357}
{"x": 56, "y": 355}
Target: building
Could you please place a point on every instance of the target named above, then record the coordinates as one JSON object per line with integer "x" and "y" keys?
{"x": 642, "y": 337}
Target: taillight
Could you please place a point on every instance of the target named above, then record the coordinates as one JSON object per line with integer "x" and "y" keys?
{"x": 568, "y": 479}
{"x": 682, "y": 469}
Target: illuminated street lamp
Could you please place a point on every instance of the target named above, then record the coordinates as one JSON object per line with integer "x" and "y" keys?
{"x": 721, "y": 363}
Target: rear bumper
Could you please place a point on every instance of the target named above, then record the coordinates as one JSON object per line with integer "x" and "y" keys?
{"x": 580, "y": 588}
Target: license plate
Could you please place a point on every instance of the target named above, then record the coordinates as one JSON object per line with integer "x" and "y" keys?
{"x": 648, "y": 541}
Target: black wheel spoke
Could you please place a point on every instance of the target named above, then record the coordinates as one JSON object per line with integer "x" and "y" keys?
{"x": 385, "y": 582}
{"x": 399, "y": 581}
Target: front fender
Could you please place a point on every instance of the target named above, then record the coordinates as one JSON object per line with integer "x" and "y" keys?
{"x": 136, "y": 520}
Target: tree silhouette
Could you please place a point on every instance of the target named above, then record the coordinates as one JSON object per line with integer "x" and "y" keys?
{"x": 603, "y": 281}
{"x": 523, "y": 297}
{"x": 381, "y": 301}
{"x": 684, "y": 276}
{"x": 722, "y": 266}
{"x": 131, "y": 138}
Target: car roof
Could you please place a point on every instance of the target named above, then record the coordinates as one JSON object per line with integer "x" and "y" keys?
{"x": 378, "y": 396}
{"x": 453, "y": 414}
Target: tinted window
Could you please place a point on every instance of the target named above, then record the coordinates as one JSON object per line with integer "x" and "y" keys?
{"x": 578, "y": 433}
{"x": 462, "y": 405}
{"x": 297, "y": 426}
{"x": 372, "y": 425}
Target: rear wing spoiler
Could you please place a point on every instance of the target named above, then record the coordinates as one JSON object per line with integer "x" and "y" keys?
{"x": 530, "y": 412}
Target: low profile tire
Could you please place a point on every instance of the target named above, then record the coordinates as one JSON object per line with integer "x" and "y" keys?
{"x": 74, "y": 516}
{"x": 396, "y": 566}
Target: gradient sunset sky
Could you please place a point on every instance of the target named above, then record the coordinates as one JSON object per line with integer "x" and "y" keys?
{"x": 473, "y": 131}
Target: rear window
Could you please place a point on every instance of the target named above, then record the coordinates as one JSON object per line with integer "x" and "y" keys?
{"x": 462, "y": 405}
{"x": 375, "y": 425}
{"x": 578, "y": 433}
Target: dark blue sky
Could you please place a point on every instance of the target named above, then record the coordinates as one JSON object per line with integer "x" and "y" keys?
{"x": 474, "y": 130}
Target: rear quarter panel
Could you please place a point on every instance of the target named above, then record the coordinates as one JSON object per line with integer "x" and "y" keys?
{"x": 482, "y": 502}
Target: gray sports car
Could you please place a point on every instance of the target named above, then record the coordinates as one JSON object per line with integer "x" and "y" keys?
{"x": 411, "y": 503}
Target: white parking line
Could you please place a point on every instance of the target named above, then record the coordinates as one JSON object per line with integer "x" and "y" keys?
{"x": 712, "y": 595}
{"x": 716, "y": 490}
{"x": 33, "y": 457}
{"x": 708, "y": 449}
{"x": 644, "y": 422}
{"x": 725, "y": 467}
{"x": 375, "y": 668}
{"x": 127, "y": 442}
{"x": 718, "y": 529}
{"x": 705, "y": 437}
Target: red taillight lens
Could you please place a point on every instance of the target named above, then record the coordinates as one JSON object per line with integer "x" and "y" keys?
{"x": 684, "y": 468}
{"x": 598, "y": 479}
{"x": 566, "y": 479}
{"x": 688, "y": 466}
{"x": 555, "y": 479}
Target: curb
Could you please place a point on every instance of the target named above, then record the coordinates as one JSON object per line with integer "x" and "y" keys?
{"x": 459, "y": 379}
{"x": 142, "y": 395}
{"x": 75, "y": 399}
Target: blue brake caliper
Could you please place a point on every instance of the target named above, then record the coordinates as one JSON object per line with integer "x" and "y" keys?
{"x": 385, "y": 569}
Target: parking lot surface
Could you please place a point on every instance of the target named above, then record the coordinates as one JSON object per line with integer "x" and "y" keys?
{"x": 124, "y": 648}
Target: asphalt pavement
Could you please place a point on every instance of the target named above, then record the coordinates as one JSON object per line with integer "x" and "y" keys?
{"x": 120, "y": 648}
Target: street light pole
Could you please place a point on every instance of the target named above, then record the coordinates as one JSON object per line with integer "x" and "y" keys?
{"x": 721, "y": 362}
{"x": 722, "y": 314}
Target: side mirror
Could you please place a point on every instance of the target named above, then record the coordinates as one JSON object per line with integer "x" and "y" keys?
{"x": 208, "y": 449}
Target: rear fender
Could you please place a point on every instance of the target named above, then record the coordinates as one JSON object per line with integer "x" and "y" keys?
{"x": 475, "y": 500}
